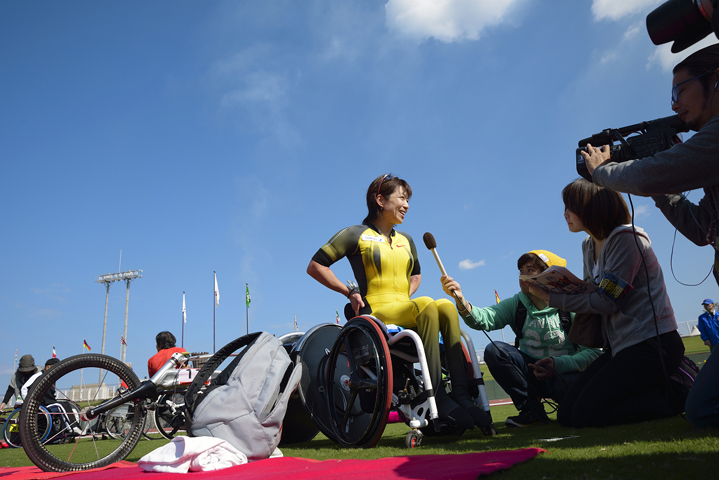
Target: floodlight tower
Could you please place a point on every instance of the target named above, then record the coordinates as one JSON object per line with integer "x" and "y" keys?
{"x": 107, "y": 280}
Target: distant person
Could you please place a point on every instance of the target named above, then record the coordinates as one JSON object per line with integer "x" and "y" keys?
{"x": 165, "y": 343}
{"x": 709, "y": 324}
{"x": 542, "y": 341}
{"x": 49, "y": 396}
{"x": 26, "y": 370}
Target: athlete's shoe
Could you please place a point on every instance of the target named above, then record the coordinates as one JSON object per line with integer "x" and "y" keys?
{"x": 451, "y": 412}
{"x": 527, "y": 418}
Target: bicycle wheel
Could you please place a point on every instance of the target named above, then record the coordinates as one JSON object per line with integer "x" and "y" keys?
{"x": 170, "y": 414}
{"x": 85, "y": 452}
{"x": 11, "y": 429}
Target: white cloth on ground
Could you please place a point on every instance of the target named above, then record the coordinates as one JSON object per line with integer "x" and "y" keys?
{"x": 195, "y": 454}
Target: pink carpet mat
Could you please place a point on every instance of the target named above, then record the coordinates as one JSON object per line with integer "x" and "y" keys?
{"x": 459, "y": 467}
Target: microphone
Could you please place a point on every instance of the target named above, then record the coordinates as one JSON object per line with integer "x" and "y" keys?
{"x": 431, "y": 244}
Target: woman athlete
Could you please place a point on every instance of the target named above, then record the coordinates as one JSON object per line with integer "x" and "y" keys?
{"x": 386, "y": 267}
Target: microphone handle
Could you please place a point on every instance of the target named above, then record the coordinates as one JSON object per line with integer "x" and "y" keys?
{"x": 439, "y": 262}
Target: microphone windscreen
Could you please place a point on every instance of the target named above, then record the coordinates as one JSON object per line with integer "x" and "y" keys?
{"x": 429, "y": 241}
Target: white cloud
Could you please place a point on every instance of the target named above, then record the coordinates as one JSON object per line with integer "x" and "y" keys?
{"x": 259, "y": 88}
{"x": 642, "y": 211}
{"x": 446, "y": 20}
{"x": 469, "y": 264}
{"x": 616, "y": 9}
{"x": 665, "y": 59}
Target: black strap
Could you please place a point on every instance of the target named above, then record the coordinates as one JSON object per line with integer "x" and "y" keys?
{"x": 211, "y": 365}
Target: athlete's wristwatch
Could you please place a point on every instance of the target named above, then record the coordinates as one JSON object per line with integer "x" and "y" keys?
{"x": 353, "y": 288}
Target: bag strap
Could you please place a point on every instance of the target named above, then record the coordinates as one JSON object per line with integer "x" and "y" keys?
{"x": 211, "y": 365}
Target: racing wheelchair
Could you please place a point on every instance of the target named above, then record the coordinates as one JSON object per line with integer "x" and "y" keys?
{"x": 353, "y": 376}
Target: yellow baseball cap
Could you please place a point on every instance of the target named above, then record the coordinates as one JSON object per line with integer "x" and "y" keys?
{"x": 549, "y": 258}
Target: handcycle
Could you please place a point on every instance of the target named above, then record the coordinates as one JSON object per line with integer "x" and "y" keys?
{"x": 125, "y": 414}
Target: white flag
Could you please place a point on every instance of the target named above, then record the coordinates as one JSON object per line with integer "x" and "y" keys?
{"x": 184, "y": 316}
{"x": 217, "y": 293}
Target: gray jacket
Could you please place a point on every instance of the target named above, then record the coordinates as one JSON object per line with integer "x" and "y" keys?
{"x": 623, "y": 298}
{"x": 684, "y": 167}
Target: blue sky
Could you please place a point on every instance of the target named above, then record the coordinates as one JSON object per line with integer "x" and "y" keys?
{"x": 238, "y": 137}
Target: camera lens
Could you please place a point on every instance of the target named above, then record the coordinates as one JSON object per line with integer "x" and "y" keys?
{"x": 680, "y": 21}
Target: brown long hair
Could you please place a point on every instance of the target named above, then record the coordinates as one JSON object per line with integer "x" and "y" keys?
{"x": 600, "y": 209}
{"x": 384, "y": 185}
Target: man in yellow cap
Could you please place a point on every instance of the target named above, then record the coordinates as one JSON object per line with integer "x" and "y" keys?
{"x": 543, "y": 362}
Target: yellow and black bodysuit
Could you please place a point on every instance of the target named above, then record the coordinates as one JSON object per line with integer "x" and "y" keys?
{"x": 383, "y": 272}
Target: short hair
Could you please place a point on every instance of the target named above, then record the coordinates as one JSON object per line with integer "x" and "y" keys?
{"x": 701, "y": 62}
{"x": 52, "y": 361}
{"x": 534, "y": 259}
{"x": 384, "y": 185}
{"x": 600, "y": 209}
{"x": 165, "y": 340}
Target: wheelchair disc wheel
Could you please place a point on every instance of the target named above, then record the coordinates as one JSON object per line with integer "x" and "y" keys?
{"x": 169, "y": 414}
{"x": 71, "y": 378}
{"x": 11, "y": 428}
{"x": 359, "y": 384}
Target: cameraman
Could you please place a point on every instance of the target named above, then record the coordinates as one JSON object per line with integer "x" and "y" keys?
{"x": 685, "y": 166}
{"x": 664, "y": 176}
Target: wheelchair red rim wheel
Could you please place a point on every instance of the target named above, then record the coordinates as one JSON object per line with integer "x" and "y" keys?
{"x": 359, "y": 379}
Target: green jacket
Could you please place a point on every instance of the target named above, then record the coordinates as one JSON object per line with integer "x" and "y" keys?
{"x": 542, "y": 334}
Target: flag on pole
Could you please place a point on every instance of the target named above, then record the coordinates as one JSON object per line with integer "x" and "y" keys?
{"x": 496, "y": 296}
{"x": 85, "y": 345}
{"x": 184, "y": 313}
{"x": 122, "y": 341}
{"x": 247, "y": 295}
{"x": 217, "y": 293}
{"x": 295, "y": 322}
{"x": 54, "y": 355}
{"x": 337, "y": 314}
{"x": 15, "y": 353}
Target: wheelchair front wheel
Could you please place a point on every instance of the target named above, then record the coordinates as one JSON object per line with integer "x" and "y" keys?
{"x": 75, "y": 372}
{"x": 170, "y": 414}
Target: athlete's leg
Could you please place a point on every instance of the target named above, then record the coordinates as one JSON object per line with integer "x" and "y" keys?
{"x": 456, "y": 361}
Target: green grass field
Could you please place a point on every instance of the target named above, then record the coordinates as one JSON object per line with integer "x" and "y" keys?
{"x": 663, "y": 449}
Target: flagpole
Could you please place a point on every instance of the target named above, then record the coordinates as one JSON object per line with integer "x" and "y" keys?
{"x": 214, "y": 303}
{"x": 247, "y": 308}
{"x": 183, "y": 320}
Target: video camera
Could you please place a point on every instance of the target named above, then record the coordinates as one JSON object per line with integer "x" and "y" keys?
{"x": 683, "y": 21}
{"x": 654, "y": 136}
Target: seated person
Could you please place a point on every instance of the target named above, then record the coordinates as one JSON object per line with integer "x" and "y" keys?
{"x": 385, "y": 264}
{"x": 165, "y": 343}
{"x": 542, "y": 333}
{"x": 49, "y": 396}
{"x": 26, "y": 370}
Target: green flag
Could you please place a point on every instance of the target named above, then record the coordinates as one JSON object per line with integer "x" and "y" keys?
{"x": 247, "y": 295}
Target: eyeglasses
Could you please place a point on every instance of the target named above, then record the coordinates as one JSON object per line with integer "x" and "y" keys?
{"x": 387, "y": 176}
{"x": 675, "y": 88}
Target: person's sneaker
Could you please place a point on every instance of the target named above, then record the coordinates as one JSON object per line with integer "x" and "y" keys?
{"x": 527, "y": 418}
